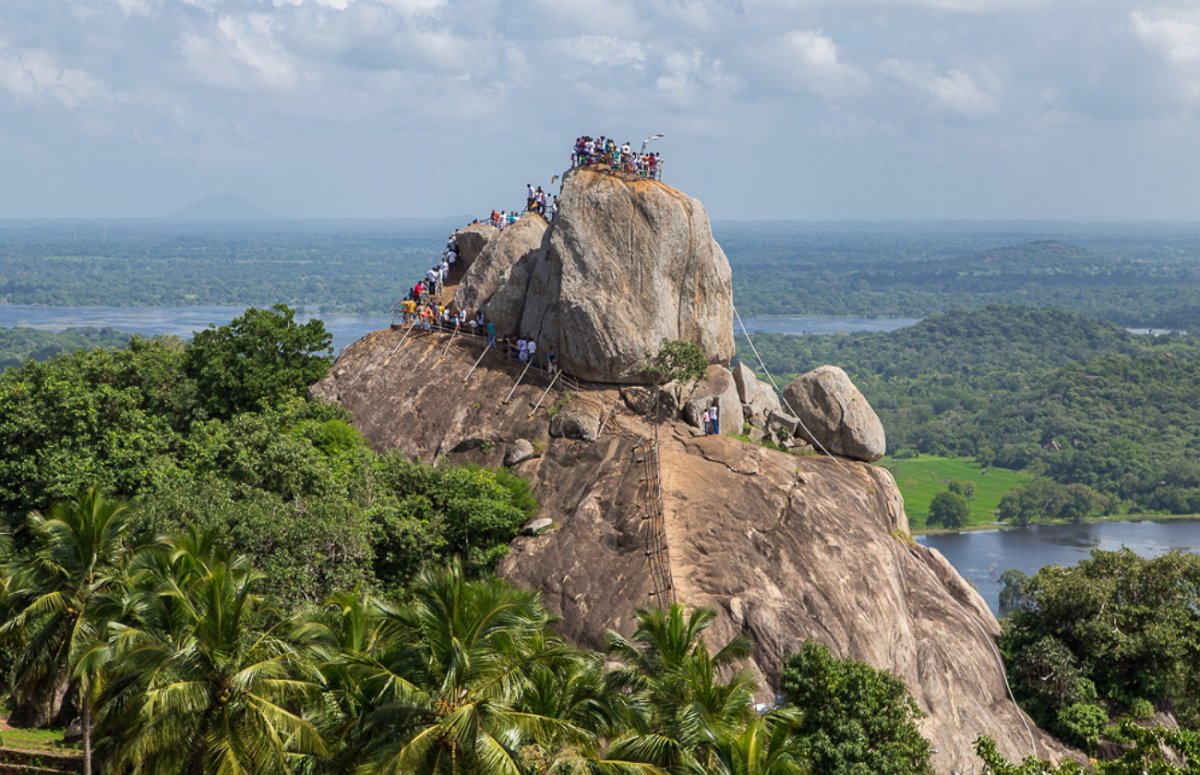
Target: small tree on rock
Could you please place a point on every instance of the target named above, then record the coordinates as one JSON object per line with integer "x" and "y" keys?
{"x": 675, "y": 361}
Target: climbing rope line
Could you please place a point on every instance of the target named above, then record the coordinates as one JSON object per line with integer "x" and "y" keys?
{"x": 782, "y": 397}
{"x": 999, "y": 660}
{"x": 970, "y": 617}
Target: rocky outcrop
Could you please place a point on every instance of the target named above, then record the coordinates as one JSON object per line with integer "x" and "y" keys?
{"x": 492, "y": 268}
{"x": 627, "y": 264}
{"x": 784, "y": 548}
{"x": 835, "y": 414}
{"x": 518, "y": 452}
{"x": 471, "y": 240}
{"x": 758, "y": 398}
{"x": 718, "y": 388}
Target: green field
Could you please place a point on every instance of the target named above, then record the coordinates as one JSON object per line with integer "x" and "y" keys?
{"x": 35, "y": 739}
{"x": 923, "y": 477}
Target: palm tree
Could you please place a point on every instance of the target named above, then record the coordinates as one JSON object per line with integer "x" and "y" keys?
{"x": 444, "y": 688}
{"x": 204, "y": 681}
{"x": 680, "y": 710}
{"x": 60, "y": 592}
{"x": 767, "y": 745}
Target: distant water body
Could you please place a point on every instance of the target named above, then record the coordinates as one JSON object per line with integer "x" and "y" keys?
{"x": 982, "y": 556}
{"x": 346, "y": 328}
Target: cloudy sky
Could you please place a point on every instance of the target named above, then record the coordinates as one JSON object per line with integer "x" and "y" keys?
{"x": 772, "y": 109}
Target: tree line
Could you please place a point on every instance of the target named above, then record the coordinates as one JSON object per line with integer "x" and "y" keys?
{"x": 1107, "y": 418}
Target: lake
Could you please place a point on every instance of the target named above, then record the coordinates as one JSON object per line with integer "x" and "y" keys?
{"x": 180, "y": 321}
{"x": 345, "y": 327}
{"x": 981, "y": 556}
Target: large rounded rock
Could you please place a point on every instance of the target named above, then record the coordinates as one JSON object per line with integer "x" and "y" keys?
{"x": 836, "y": 414}
{"x": 471, "y": 240}
{"x": 629, "y": 263}
{"x": 489, "y": 270}
{"x": 718, "y": 388}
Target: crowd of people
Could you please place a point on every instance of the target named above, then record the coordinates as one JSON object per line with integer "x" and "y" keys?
{"x": 424, "y": 306}
{"x": 422, "y": 303}
{"x": 604, "y": 151}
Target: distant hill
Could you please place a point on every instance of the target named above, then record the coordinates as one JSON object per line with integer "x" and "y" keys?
{"x": 222, "y": 207}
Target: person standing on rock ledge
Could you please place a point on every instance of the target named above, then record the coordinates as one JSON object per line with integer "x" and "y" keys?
{"x": 705, "y": 419}
{"x": 490, "y": 328}
{"x": 712, "y": 418}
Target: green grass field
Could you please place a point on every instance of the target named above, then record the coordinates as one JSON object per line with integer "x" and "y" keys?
{"x": 923, "y": 477}
{"x": 35, "y": 739}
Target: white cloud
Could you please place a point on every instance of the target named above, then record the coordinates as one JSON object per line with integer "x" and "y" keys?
{"x": 33, "y": 73}
{"x": 602, "y": 50}
{"x": 955, "y": 91}
{"x": 815, "y": 61}
{"x": 135, "y": 7}
{"x": 415, "y": 7}
{"x": 689, "y": 78}
{"x": 1177, "y": 39}
{"x": 240, "y": 53}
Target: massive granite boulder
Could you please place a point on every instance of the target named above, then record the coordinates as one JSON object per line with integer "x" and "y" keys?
{"x": 784, "y": 548}
{"x": 471, "y": 240}
{"x": 627, "y": 264}
{"x": 835, "y": 414}
{"x": 490, "y": 269}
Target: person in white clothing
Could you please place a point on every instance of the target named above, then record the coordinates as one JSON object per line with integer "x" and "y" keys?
{"x": 531, "y": 349}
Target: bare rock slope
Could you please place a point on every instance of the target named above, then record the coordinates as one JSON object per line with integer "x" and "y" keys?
{"x": 784, "y": 548}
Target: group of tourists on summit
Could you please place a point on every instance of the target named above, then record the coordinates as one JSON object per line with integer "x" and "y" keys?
{"x": 425, "y": 304}
{"x": 618, "y": 158}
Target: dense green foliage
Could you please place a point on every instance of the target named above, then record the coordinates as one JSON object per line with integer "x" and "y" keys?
{"x": 1145, "y": 751}
{"x": 948, "y": 509}
{"x": 18, "y": 345}
{"x": 1101, "y": 639}
{"x": 256, "y": 360}
{"x": 858, "y": 720}
{"x": 1054, "y": 393}
{"x": 217, "y": 434}
{"x": 188, "y": 667}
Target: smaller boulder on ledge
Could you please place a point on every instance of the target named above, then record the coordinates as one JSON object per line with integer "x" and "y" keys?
{"x": 836, "y": 414}
{"x": 519, "y": 451}
{"x": 577, "y": 420}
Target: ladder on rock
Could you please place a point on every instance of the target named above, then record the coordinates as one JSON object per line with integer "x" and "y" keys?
{"x": 654, "y": 523}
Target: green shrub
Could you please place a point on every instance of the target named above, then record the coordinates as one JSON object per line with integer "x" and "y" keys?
{"x": 1141, "y": 708}
{"x": 1082, "y": 724}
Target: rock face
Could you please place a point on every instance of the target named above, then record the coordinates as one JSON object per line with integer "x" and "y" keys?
{"x": 491, "y": 269}
{"x": 784, "y": 548}
{"x": 757, "y": 396}
{"x": 716, "y": 388}
{"x": 626, "y": 264}
{"x": 471, "y": 240}
{"x": 836, "y": 414}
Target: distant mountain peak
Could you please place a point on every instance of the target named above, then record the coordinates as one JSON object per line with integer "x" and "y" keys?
{"x": 222, "y": 207}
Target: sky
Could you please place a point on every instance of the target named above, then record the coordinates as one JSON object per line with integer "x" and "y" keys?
{"x": 771, "y": 109}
